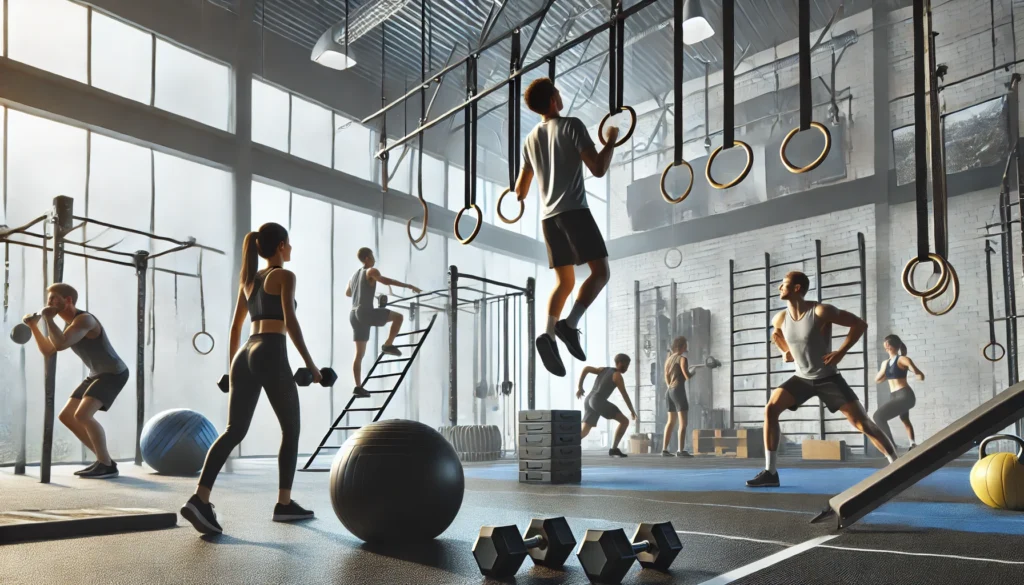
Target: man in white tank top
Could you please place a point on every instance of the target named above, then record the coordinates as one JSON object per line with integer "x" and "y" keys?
{"x": 803, "y": 333}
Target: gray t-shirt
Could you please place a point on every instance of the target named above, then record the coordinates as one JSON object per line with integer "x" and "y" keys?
{"x": 604, "y": 385}
{"x": 809, "y": 341}
{"x": 363, "y": 290}
{"x": 553, "y": 150}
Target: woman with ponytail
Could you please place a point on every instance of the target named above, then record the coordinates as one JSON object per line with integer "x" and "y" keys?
{"x": 268, "y": 296}
{"x": 901, "y": 396}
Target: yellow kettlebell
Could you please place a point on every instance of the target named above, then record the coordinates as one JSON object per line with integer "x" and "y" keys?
{"x": 998, "y": 479}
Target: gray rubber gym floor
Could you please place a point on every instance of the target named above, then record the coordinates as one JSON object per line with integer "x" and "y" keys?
{"x": 934, "y": 533}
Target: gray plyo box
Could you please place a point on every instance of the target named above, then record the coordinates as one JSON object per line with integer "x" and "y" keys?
{"x": 549, "y": 428}
{"x": 573, "y": 416}
{"x": 575, "y": 476}
{"x": 552, "y": 465}
{"x": 542, "y": 453}
{"x": 549, "y": 440}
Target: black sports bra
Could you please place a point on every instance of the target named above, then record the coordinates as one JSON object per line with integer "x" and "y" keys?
{"x": 263, "y": 305}
{"x": 893, "y": 371}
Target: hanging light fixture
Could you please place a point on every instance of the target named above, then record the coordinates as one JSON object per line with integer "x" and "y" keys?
{"x": 696, "y": 28}
{"x": 334, "y": 48}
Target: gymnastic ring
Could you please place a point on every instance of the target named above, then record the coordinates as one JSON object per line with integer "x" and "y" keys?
{"x": 814, "y": 164}
{"x": 196, "y": 347}
{"x": 742, "y": 175}
{"x": 664, "y": 175}
{"x": 632, "y": 126}
{"x": 953, "y": 278}
{"x": 522, "y": 207}
{"x": 408, "y": 225}
{"x": 993, "y": 344}
{"x": 912, "y": 263}
{"x": 476, "y": 229}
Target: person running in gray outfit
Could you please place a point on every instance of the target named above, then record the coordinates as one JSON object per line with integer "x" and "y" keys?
{"x": 597, "y": 404}
{"x": 901, "y": 395}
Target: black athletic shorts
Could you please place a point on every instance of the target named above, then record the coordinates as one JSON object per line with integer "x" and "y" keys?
{"x": 593, "y": 411}
{"x": 833, "y": 391}
{"x": 362, "y": 320}
{"x": 102, "y": 387}
{"x": 675, "y": 399}
{"x": 573, "y": 238}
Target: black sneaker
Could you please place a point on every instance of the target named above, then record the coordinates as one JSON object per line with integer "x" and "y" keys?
{"x": 765, "y": 479}
{"x": 667, "y": 454}
{"x": 683, "y": 454}
{"x": 391, "y": 350}
{"x": 87, "y": 469}
{"x": 360, "y": 392}
{"x": 100, "y": 471}
{"x": 291, "y": 512}
{"x": 616, "y": 452}
{"x": 571, "y": 338}
{"x": 202, "y": 516}
{"x": 548, "y": 351}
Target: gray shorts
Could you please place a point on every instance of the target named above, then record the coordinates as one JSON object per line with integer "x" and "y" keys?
{"x": 676, "y": 401}
{"x": 362, "y": 320}
{"x": 593, "y": 411}
{"x": 102, "y": 387}
{"x": 833, "y": 391}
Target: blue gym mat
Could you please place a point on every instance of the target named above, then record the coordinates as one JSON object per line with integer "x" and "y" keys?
{"x": 953, "y": 481}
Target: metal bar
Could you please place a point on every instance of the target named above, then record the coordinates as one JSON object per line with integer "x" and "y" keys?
{"x": 791, "y": 262}
{"x": 834, "y": 270}
{"x": 531, "y": 343}
{"x": 748, "y": 343}
{"x": 817, "y": 261}
{"x": 63, "y": 207}
{"x": 640, "y": 5}
{"x": 147, "y": 234}
{"x": 636, "y": 350}
{"x": 11, "y": 231}
{"x": 732, "y": 345}
{"x": 838, "y": 284}
{"x": 839, "y": 253}
{"x": 437, "y": 76}
{"x": 494, "y": 282}
{"x": 453, "y": 346}
{"x": 141, "y": 261}
{"x": 760, "y": 284}
{"x": 840, "y": 297}
{"x": 759, "y": 268}
{"x": 862, "y": 255}
{"x": 768, "y": 322}
{"x": 750, "y": 313}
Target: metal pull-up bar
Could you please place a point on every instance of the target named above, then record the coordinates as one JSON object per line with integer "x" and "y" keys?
{"x": 540, "y": 61}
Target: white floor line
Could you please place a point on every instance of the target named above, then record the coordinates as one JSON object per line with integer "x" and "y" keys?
{"x": 729, "y": 537}
{"x": 737, "y": 574}
{"x": 652, "y": 500}
{"x": 917, "y": 554}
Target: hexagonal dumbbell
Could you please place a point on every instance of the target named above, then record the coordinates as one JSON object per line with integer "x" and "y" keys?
{"x": 607, "y": 555}
{"x": 500, "y": 550}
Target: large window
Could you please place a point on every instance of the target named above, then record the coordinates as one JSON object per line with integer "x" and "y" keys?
{"x": 50, "y": 35}
{"x": 355, "y": 143}
{"x": 122, "y": 58}
{"x": 192, "y": 86}
{"x": 269, "y": 115}
{"x": 311, "y": 132}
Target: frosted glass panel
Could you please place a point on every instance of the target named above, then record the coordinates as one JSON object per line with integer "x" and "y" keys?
{"x": 122, "y": 58}
{"x": 269, "y": 204}
{"x": 401, "y": 172}
{"x": 192, "y": 86}
{"x": 183, "y": 378}
{"x": 311, "y": 131}
{"x": 45, "y": 159}
{"x": 269, "y": 115}
{"x": 353, "y": 144}
{"x": 456, "y": 187}
{"x": 433, "y": 180}
{"x": 59, "y": 19}
{"x": 310, "y": 247}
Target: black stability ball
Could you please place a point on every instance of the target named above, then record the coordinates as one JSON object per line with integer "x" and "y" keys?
{"x": 175, "y": 442}
{"x": 396, "y": 481}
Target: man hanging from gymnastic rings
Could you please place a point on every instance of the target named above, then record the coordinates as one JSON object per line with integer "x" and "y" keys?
{"x": 87, "y": 338}
{"x": 803, "y": 333}
{"x": 555, "y": 152}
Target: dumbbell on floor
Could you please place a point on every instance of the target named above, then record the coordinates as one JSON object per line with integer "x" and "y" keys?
{"x": 607, "y": 555}
{"x": 500, "y": 550}
{"x": 303, "y": 377}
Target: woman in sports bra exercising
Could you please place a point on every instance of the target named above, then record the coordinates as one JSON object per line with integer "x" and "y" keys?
{"x": 901, "y": 397}
{"x": 268, "y": 296}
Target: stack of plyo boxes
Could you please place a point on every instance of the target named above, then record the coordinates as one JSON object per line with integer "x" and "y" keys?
{"x": 549, "y": 446}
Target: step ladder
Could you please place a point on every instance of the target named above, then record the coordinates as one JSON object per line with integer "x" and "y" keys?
{"x": 382, "y": 359}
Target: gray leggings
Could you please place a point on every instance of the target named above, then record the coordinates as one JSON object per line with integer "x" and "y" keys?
{"x": 262, "y": 362}
{"x": 900, "y": 403}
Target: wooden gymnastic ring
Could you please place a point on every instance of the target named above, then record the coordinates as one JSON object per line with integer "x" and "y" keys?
{"x": 740, "y": 177}
{"x": 628, "y": 135}
{"x": 955, "y": 280}
{"x": 912, "y": 264}
{"x": 993, "y": 344}
{"x": 476, "y": 229}
{"x": 196, "y": 347}
{"x": 816, "y": 162}
{"x": 423, "y": 233}
{"x": 664, "y": 175}
{"x": 501, "y": 216}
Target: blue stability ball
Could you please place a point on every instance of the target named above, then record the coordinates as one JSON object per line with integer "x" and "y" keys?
{"x": 175, "y": 442}
{"x": 396, "y": 481}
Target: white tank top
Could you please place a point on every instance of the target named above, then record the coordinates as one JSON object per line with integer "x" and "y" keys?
{"x": 809, "y": 344}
